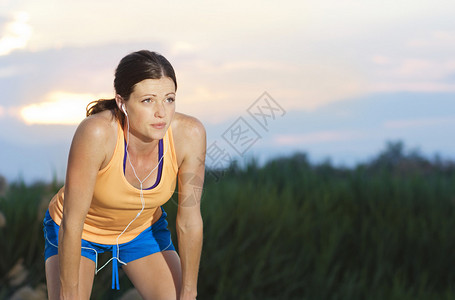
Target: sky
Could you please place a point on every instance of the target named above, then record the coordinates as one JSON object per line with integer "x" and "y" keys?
{"x": 334, "y": 79}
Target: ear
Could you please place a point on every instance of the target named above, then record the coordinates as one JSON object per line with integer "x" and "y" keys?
{"x": 119, "y": 101}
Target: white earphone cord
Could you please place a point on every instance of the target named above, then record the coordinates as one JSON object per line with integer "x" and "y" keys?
{"x": 141, "y": 194}
{"x": 139, "y": 213}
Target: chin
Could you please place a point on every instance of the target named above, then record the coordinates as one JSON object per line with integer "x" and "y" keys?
{"x": 157, "y": 135}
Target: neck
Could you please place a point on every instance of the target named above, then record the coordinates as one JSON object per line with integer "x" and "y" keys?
{"x": 142, "y": 157}
{"x": 138, "y": 146}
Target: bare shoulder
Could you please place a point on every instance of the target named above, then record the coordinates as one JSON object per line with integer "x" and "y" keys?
{"x": 90, "y": 151}
{"x": 187, "y": 125}
{"x": 96, "y": 136}
{"x": 99, "y": 127}
{"x": 189, "y": 135}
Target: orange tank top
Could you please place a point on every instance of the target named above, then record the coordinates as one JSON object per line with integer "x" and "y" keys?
{"x": 116, "y": 202}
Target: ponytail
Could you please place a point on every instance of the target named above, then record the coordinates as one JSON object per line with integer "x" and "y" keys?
{"x": 100, "y": 105}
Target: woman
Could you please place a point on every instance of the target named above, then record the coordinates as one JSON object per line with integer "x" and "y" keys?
{"x": 122, "y": 166}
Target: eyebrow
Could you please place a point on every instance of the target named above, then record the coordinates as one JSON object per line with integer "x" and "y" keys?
{"x": 154, "y": 95}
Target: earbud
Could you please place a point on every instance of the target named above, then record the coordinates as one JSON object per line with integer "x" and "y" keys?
{"x": 124, "y": 109}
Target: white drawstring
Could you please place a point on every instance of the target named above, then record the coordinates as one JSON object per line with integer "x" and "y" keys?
{"x": 117, "y": 257}
{"x": 141, "y": 192}
{"x": 56, "y": 246}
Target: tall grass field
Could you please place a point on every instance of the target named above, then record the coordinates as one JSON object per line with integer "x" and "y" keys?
{"x": 288, "y": 229}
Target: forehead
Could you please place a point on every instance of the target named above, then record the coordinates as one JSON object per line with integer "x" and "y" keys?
{"x": 164, "y": 85}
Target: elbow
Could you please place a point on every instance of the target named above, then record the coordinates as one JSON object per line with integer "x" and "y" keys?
{"x": 71, "y": 226}
{"x": 190, "y": 226}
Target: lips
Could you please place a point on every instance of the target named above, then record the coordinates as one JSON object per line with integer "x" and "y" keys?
{"x": 159, "y": 125}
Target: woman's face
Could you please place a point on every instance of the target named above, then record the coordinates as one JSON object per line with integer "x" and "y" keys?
{"x": 151, "y": 108}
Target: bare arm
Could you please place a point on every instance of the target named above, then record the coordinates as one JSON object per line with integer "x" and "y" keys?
{"x": 189, "y": 219}
{"x": 86, "y": 157}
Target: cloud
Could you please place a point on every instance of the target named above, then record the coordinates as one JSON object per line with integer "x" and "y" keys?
{"x": 237, "y": 82}
{"x": 380, "y": 60}
{"x": 182, "y": 48}
{"x": 259, "y": 65}
{"x": 424, "y": 70}
{"x": 425, "y": 86}
{"x": 436, "y": 39}
{"x": 9, "y": 71}
{"x": 86, "y": 23}
{"x": 305, "y": 61}
{"x": 317, "y": 137}
{"x": 16, "y": 34}
{"x": 417, "y": 123}
{"x": 60, "y": 108}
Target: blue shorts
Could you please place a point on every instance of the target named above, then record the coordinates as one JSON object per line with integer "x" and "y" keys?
{"x": 154, "y": 239}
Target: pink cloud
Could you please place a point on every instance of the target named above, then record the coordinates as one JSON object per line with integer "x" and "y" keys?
{"x": 317, "y": 137}
{"x": 409, "y": 86}
{"x": 423, "y": 122}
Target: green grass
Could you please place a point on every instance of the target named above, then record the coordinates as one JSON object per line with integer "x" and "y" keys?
{"x": 294, "y": 230}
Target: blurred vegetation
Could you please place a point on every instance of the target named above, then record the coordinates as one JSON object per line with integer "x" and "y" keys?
{"x": 288, "y": 229}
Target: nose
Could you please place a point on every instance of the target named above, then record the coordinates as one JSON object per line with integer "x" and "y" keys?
{"x": 160, "y": 110}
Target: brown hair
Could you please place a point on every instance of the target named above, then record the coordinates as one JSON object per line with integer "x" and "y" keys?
{"x": 132, "y": 69}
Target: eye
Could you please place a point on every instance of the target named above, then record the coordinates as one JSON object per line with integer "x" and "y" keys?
{"x": 147, "y": 100}
{"x": 170, "y": 99}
